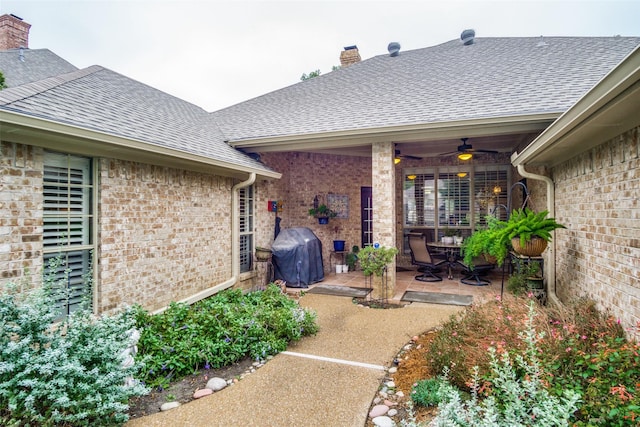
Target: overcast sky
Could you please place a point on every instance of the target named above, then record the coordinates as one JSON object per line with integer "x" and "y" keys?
{"x": 217, "y": 53}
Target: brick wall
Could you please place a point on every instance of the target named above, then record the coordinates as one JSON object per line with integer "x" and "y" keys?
{"x": 304, "y": 176}
{"x": 598, "y": 256}
{"x": 20, "y": 213}
{"x": 164, "y": 234}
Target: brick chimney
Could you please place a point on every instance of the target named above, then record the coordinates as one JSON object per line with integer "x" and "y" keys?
{"x": 14, "y": 32}
{"x": 349, "y": 56}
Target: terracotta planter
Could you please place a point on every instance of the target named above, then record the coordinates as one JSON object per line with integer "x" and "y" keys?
{"x": 534, "y": 247}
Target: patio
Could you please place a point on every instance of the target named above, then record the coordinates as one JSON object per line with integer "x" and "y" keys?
{"x": 405, "y": 281}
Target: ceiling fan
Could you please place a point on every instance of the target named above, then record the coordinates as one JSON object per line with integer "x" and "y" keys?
{"x": 465, "y": 150}
{"x": 398, "y": 155}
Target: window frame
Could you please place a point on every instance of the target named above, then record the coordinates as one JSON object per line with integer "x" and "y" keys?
{"x": 473, "y": 213}
{"x": 246, "y": 223}
{"x": 59, "y": 209}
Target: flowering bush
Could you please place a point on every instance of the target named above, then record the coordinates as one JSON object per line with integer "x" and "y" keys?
{"x": 514, "y": 394}
{"x": 66, "y": 373}
{"x": 218, "y": 331}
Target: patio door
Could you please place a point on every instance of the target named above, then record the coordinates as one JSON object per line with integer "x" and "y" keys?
{"x": 366, "y": 215}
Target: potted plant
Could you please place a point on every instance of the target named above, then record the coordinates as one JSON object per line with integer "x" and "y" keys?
{"x": 490, "y": 242}
{"x": 529, "y": 231}
{"x": 352, "y": 257}
{"x": 323, "y": 213}
{"x": 448, "y": 237}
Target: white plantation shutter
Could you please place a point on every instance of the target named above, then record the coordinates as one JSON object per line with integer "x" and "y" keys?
{"x": 454, "y": 197}
{"x": 246, "y": 215}
{"x": 67, "y": 223}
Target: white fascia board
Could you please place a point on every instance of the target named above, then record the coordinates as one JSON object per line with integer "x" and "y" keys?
{"x": 50, "y": 134}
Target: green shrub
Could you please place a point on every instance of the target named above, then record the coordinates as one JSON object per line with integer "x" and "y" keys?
{"x": 219, "y": 331}
{"x": 427, "y": 392}
{"x": 67, "y": 373}
{"x": 516, "y": 394}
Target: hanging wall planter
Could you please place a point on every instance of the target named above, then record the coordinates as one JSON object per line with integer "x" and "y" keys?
{"x": 323, "y": 213}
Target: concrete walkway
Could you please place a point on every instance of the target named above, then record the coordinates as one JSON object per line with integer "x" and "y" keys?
{"x": 328, "y": 379}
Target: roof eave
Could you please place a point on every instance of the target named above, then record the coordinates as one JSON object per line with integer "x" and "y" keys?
{"x": 404, "y": 133}
{"x": 23, "y": 128}
{"x": 607, "y": 110}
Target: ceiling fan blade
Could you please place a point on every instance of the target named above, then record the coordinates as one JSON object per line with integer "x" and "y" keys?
{"x": 480, "y": 150}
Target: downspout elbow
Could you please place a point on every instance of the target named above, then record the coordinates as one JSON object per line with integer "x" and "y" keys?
{"x": 550, "y": 270}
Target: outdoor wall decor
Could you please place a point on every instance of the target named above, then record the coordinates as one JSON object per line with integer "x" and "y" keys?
{"x": 339, "y": 203}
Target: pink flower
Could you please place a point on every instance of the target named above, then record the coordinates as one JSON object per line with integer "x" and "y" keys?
{"x": 584, "y": 337}
{"x": 568, "y": 349}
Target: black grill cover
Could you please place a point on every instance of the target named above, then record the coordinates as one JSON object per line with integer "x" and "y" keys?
{"x": 297, "y": 257}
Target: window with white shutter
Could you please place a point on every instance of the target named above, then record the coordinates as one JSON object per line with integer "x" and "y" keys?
{"x": 246, "y": 228}
{"x": 68, "y": 223}
{"x": 439, "y": 199}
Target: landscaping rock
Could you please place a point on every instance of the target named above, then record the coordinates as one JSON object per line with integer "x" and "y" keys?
{"x": 216, "y": 384}
{"x": 383, "y": 422}
{"x": 378, "y": 410}
{"x": 202, "y": 393}
{"x": 169, "y": 405}
{"x": 392, "y": 412}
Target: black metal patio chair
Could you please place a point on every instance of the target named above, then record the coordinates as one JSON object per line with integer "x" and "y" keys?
{"x": 421, "y": 257}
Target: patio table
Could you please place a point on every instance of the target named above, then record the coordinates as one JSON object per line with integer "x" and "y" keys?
{"x": 452, "y": 252}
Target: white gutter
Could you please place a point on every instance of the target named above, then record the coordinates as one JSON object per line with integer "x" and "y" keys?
{"x": 550, "y": 267}
{"x": 235, "y": 249}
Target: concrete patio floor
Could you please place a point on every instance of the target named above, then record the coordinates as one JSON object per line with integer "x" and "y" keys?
{"x": 405, "y": 281}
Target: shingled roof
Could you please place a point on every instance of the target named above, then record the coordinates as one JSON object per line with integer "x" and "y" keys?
{"x": 492, "y": 78}
{"x": 21, "y": 66}
{"x": 99, "y": 99}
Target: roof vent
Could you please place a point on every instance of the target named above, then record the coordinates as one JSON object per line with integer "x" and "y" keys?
{"x": 393, "y": 48}
{"x": 468, "y": 37}
{"x": 541, "y": 42}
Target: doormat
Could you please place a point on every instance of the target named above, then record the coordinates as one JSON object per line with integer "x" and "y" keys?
{"x": 337, "y": 290}
{"x": 437, "y": 298}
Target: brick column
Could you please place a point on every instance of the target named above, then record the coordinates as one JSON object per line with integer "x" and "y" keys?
{"x": 384, "y": 207}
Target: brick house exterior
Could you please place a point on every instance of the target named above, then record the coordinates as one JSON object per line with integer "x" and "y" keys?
{"x": 174, "y": 185}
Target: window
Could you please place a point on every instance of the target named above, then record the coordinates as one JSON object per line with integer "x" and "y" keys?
{"x": 246, "y": 228}
{"x": 68, "y": 225}
{"x": 454, "y": 197}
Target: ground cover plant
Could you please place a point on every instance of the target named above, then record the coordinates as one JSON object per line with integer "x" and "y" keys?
{"x": 62, "y": 370}
{"x": 554, "y": 355}
{"x": 219, "y": 331}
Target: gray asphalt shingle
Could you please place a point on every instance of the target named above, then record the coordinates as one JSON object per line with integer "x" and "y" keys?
{"x": 102, "y": 100}
{"x": 495, "y": 77}
{"x": 21, "y": 66}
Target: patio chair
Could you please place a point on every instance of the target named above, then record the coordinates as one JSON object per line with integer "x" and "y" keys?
{"x": 421, "y": 257}
{"x": 474, "y": 273}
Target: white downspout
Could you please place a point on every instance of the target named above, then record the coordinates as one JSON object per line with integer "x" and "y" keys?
{"x": 550, "y": 267}
{"x": 235, "y": 248}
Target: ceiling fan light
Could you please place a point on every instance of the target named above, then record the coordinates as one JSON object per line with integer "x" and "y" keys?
{"x": 462, "y": 174}
{"x": 411, "y": 177}
{"x": 465, "y": 156}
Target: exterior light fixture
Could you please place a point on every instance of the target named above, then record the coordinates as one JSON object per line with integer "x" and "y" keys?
{"x": 465, "y": 156}
{"x": 462, "y": 174}
{"x": 396, "y": 160}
